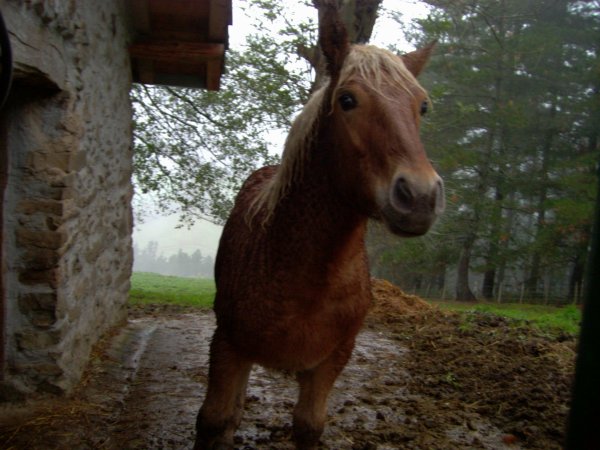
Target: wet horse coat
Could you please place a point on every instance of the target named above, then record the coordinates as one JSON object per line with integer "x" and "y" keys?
{"x": 292, "y": 276}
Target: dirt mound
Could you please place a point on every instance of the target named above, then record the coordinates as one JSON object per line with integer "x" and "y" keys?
{"x": 465, "y": 366}
{"x": 480, "y": 365}
{"x": 390, "y": 302}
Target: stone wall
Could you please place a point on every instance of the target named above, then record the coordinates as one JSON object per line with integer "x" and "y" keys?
{"x": 67, "y": 215}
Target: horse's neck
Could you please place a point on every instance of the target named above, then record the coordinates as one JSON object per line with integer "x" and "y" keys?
{"x": 330, "y": 230}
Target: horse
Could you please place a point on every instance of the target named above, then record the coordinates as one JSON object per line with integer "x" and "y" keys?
{"x": 292, "y": 276}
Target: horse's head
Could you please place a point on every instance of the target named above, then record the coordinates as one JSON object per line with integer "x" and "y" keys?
{"x": 375, "y": 106}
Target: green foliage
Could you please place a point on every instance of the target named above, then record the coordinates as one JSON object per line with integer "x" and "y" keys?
{"x": 194, "y": 149}
{"x": 151, "y": 288}
{"x": 548, "y": 318}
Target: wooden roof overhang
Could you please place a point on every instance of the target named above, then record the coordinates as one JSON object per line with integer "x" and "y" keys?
{"x": 179, "y": 42}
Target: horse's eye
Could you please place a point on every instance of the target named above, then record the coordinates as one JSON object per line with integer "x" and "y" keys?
{"x": 347, "y": 102}
{"x": 424, "y": 107}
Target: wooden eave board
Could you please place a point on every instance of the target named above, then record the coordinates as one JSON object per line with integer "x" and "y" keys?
{"x": 180, "y": 42}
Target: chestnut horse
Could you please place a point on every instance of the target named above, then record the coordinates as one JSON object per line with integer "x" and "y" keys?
{"x": 292, "y": 278}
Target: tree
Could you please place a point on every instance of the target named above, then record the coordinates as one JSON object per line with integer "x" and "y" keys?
{"x": 179, "y": 264}
{"x": 509, "y": 86}
{"x": 193, "y": 149}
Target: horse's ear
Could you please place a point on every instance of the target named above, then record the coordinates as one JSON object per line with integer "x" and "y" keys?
{"x": 333, "y": 37}
{"x": 416, "y": 61}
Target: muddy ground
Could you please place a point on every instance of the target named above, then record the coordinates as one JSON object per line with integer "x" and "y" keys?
{"x": 419, "y": 379}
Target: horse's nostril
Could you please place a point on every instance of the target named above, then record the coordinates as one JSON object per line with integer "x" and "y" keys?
{"x": 402, "y": 191}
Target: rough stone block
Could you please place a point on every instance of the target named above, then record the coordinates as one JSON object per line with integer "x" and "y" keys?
{"x": 36, "y": 258}
{"x": 30, "y": 339}
{"x": 39, "y": 238}
{"x": 40, "y": 205}
{"x": 33, "y": 277}
{"x": 37, "y": 301}
{"x": 42, "y": 161}
{"x": 39, "y": 308}
{"x": 42, "y": 319}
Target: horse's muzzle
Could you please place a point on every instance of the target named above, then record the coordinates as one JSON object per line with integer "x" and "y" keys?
{"x": 414, "y": 204}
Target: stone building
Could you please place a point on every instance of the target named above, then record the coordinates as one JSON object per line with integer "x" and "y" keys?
{"x": 66, "y": 164}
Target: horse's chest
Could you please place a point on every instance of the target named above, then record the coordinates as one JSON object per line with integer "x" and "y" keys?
{"x": 290, "y": 305}
{"x": 296, "y": 332}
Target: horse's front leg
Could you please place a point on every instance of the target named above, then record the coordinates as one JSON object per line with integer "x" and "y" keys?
{"x": 221, "y": 412}
{"x": 310, "y": 412}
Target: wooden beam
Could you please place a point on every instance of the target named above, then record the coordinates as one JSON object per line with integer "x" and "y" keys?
{"x": 140, "y": 16}
{"x": 213, "y": 75}
{"x": 177, "y": 51}
{"x": 145, "y": 71}
{"x": 219, "y": 19}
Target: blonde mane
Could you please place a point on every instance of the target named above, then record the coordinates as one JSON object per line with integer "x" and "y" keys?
{"x": 374, "y": 67}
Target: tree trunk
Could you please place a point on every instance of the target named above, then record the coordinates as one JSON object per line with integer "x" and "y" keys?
{"x": 531, "y": 284}
{"x": 534, "y": 274}
{"x": 359, "y": 17}
{"x": 441, "y": 278}
{"x": 576, "y": 279}
{"x": 487, "y": 289}
{"x": 505, "y": 241}
{"x": 498, "y": 140}
{"x": 463, "y": 291}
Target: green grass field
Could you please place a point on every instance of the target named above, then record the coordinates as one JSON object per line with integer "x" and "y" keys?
{"x": 152, "y": 288}
{"x": 550, "y": 318}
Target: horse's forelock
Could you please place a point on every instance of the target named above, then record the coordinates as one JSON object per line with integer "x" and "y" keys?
{"x": 375, "y": 67}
